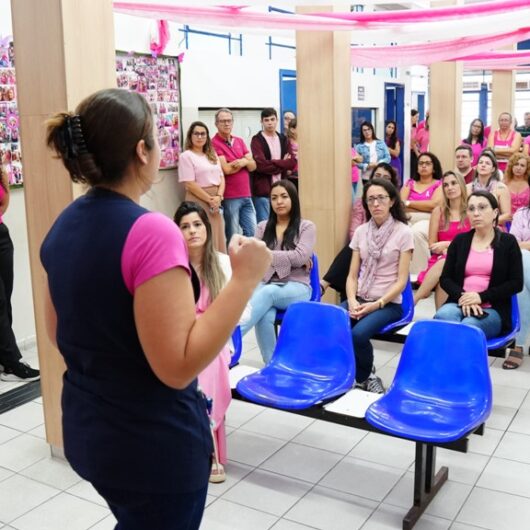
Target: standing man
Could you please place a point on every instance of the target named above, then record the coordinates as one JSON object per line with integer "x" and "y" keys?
{"x": 463, "y": 161}
{"x": 273, "y": 156}
{"x": 525, "y": 129}
{"x": 236, "y": 161}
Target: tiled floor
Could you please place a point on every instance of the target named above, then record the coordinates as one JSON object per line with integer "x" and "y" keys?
{"x": 287, "y": 472}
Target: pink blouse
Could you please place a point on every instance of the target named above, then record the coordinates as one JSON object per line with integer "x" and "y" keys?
{"x": 425, "y": 195}
{"x": 520, "y": 200}
{"x": 197, "y": 168}
{"x": 478, "y": 271}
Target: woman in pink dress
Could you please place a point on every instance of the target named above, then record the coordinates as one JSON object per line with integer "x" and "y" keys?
{"x": 517, "y": 179}
{"x": 213, "y": 271}
{"x": 526, "y": 146}
{"x": 505, "y": 141}
{"x": 476, "y": 139}
{"x": 446, "y": 222}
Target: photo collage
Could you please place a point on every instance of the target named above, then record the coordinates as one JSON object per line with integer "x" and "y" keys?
{"x": 157, "y": 79}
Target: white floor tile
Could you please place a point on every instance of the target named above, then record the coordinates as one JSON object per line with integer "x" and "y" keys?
{"x": 19, "y": 495}
{"x": 330, "y": 437}
{"x": 39, "y": 432}
{"x": 239, "y": 413}
{"x": 54, "y": 472}
{"x": 301, "y": 462}
{"x": 283, "y": 524}
{"x": 7, "y": 434}
{"x": 7, "y": 387}
{"x": 267, "y": 492}
{"x": 508, "y": 396}
{"x": 463, "y": 467}
{"x": 62, "y": 511}
{"x": 461, "y": 526}
{"x": 385, "y": 450}
{"x": 327, "y": 509}
{"x": 250, "y": 448}
{"x": 500, "y": 417}
{"x": 507, "y": 476}
{"x": 109, "y": 523}
{"x": 5, "y": 473}
{"x": 521, "y": 422}
{"x": 495, "y": 510}
{"x": 278, "y": 424}
{"x": 514, "y": 446}
{"x": 514, "y": 378}
{"x": 224, "y": 515}
{"x": 23, "y": 418}
{"x": 86, "y": 491}
{"x": 487, "y": 443}
{"x": 23, "y": 451}
{"x": 235, "y": 471}
{"x": 359, "y": 477}
{"x": 388, "y": 517}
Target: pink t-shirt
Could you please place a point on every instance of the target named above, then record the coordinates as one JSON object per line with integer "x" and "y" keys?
{"x": 237, "y": 184}
{"x": 276, "y": 152}
{"x": 477, "y": 148}
{"x": 520, "y": 200}
{"x": 2, "y": 195}
{"x": 354, "y": 168}
{"x": 424, "y": 195}
{"x": 499, "y": 142}
{"x": 197, "y": 168}
{"x": 154, "y": 245}
{"x": 422, "y": 140}
{"x": 478, "y": 271}
{"x": 401, "y": 240}
{"x": 527, "y": 141}
{"x": 521, "y": 225}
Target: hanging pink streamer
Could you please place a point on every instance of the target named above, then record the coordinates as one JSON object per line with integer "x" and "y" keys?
{"x": 163, "y": 38}
{"x": 515, "y": 56}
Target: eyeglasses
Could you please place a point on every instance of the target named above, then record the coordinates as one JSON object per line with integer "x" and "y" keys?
{"x": 225, "y": 122}
{"x": 425, "y": 163}
{"x": 200, "y": 134}
{"x": 384, "y": 176}
{"x": 379, "y": 198}
{"x": 479, "y": 208}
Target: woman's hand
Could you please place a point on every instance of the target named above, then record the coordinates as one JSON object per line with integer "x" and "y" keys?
{"x": 250, "y": 258}
{"x": 469, "y": 299}
{"x": 439, "y": 247}
{"x": 364, "y": 309}
{"x": 214, "y": 203}
{"x": 472, "y": 310}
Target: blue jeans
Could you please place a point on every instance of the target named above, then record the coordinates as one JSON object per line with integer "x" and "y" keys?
{"x": 363, "y": 330}
{"x": 490, "y": 325}
{"x": 239, "y": 213}
{"x": 523, "y": 299}
{"x": 263, "y": 208}
{"x": 267, "y": 298}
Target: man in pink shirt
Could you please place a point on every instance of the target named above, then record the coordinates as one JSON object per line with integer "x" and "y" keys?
{"x": 236, "y": 161}
{"x": 273, "y": 156}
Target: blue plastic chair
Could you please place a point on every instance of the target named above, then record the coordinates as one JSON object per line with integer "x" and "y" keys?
{"x": 503, "y": 341}
{"x": 314, "y": 281}
{"x": 442, "y": 387}
{"x": 237, "y": 343}
{"x": 313, "y": 360}
{"x": 408, "y": 311}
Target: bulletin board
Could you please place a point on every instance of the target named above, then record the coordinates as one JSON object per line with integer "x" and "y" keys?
{"x": 9, "y": 119}
{"x": 158, "y": 80}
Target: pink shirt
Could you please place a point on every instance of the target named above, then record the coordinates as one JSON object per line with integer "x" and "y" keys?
{"x": 499, "y": 142}
{"x": 154, "y": 245}
{"x": 400, "y": 241}
{"x": 424, "y": 195}
{"x": 276, "y": 152}
{"x": 478, "y": 271}
{"x": 237, "y": 184}
{"x": 527, "y": 141}
{"x": 2, "y": 195}
{"x": 520, "y": 200}
{"x": 422, "y": 140}
{"x": 354, "y": 168}
{"x": 521, "y": 225}
{"x": 477, "y": 148}
{"x": 197, "y": 168}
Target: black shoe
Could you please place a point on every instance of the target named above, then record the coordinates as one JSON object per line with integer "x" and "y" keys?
{"x": 19, "y": 372}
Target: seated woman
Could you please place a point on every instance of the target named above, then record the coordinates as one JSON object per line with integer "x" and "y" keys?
{"x": 446, "y": 222}
{"x": 505, "y": 141}
{"x": 213, "y": 270}
{"x": 378, "y": 274}
{"x": 487, "y": 178}
{"x": 337, "y": 273}
{"x": 421, "y": 194}
{"x": 292, "y": 241}
{"x": 521, "y": 230}
{"x": 476, "y": 139}
{"x": 482, "y": 271}
{"x": 517, "y": 180}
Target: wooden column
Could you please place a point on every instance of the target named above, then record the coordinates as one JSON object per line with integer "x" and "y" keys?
{"x": 64, "y": 50}
{"x": 323, "y": 74}
{"x": 502, "y": 94}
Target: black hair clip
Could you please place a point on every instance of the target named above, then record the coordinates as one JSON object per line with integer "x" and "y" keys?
{"x": 73, "y": 139}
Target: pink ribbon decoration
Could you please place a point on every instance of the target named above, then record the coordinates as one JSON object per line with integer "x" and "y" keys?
{"x": 163, "y": 38}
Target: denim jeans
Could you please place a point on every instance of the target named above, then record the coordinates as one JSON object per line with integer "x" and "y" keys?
{"x": 490, "y": 325}
{"x": 263, "y": 208}
{"x": 523, "y": 299}
{"x": 363, "y": 330}
{"x": 267, "y": 298}
{"x": 239, "y": 213}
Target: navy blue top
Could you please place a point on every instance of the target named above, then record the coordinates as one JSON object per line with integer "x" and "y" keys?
{"x": 122, "y": 426}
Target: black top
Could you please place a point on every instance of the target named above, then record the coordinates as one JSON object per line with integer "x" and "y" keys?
{"x": 506, "y": 274}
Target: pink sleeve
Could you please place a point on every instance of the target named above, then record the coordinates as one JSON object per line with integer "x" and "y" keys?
{"x": 355, "y": 242}
{"x": 154, "y": 245}
{"x": 527, "y": 140}
{"x": 186, "y": 169}
{"x": 406, "y": 241}
{"x": 358, "y": 217}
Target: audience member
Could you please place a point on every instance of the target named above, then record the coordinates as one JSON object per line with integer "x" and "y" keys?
{"x": 525, "y": 128}
{"x": 422, "y": 138}
{"x": 378, "y": 274}
{"x": 288, "y": 117}
{"x": 355, "y": 159}
{"x": 236, "y": 161}
{"x": 526, "y": 146}
{"x": 504, "y": 141}
{"x": 273, "y": 156}
{"x": 394, "y": 148}
{"x": 292, "y": 241}
{"x": 517, "y": 180}
{"x": 464, "y": 162}
{"x": 371, "y": 149}
{"x": 446, "y": 222}
{"x": 476, "y": 139}
{"x": 414, "y": 117}
{"x": 292, "y": 135}
{"x": 482, "y": 271}
{"x": 200, "y": 171}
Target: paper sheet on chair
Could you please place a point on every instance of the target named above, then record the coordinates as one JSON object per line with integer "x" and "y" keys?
{"x": 238, "y": 372}
{"x": 354, "y": 403}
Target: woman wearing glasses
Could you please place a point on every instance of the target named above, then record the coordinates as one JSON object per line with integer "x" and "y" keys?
{"x": 202, "y": 175}
{"x": 483, "y": 270}
{"x": 379, "y": 272}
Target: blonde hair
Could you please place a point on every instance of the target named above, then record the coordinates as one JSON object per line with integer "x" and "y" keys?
{"x": 446, "y": 208}
{"x": 508, "y": 174}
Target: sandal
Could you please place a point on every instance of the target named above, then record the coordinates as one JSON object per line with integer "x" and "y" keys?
{"x": 513, "y": 360}
{"x": 217, "y": 474}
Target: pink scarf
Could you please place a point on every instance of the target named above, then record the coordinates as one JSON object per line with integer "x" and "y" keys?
{"x": 377, "y": 238}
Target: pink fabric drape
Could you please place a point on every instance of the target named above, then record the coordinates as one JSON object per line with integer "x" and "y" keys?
{"x": 163, "y": 38}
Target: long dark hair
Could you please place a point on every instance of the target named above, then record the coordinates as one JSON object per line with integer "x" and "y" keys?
{"x": 390, "y": 169}
{"x": 211, "y": 272}
{"x": 480, "y": 137}
{"x": 393, "y": 138}
{"x": 437, "y": 172}
{"x": 495, "y": 205}
{"x": 293, "y": 228}
{"x": 397, "y": 210}
{"x": 361, "y": 134}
